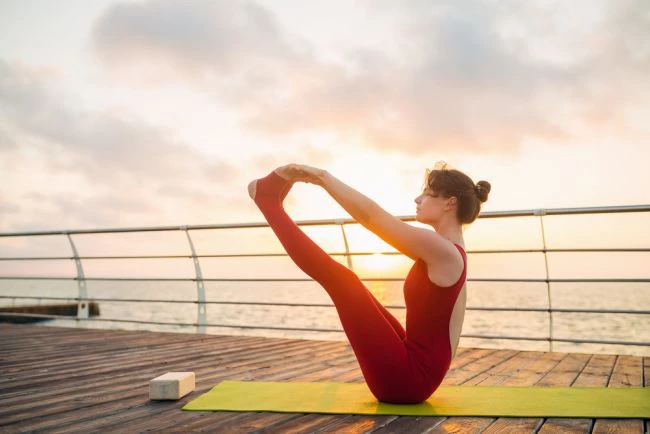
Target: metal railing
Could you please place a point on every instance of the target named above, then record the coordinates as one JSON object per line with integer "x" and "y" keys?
{"x": 201, "y": 322}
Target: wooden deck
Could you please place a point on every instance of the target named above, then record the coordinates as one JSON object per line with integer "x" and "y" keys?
{"x": 80, "y": 380}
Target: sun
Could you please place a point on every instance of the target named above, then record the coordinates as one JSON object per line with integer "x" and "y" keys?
{"x": 379, "y": 264}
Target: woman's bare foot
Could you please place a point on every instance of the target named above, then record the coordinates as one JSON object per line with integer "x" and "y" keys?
{"x": 252, "y": 188}
{"x": 283, "y": 172}
{"x": 275, "y": 185}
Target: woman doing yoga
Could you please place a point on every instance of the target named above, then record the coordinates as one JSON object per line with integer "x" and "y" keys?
{"x": 399, "y": 366}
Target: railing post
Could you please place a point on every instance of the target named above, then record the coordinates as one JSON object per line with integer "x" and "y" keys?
{"x": 341, "y": 223}
{"x": 200, "y": 287}
{"x": 82, "y": 302}
{"x": 541, "y": 214}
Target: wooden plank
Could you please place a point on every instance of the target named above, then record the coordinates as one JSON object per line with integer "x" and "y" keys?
{"x": 566, "y": 372}
{"x": 500, "y": 373}
{"x": 563, "y": 426}
{"x": 628, "y": 372}
{"x": 407, "y": 425}
{"x": 514, "y": 425}
{"x": 99, "y": 341}
{"x": 469, "y": 371}
{"x": 618, "y": 426}
{"x": 307, "y": 423}
{"x": 242, "y": 422}
{"x": 646, "y": 371}
{"x": 182, "y": 423}
{"x": 338, "y": 373}
{"x": 463, "y": 425}
{"x": 532, "y": 373}
{"x": 355, "y": 424}
{"x": 98, "y": 347}
{"x": 459, "y": 370}
{"x": 597, "y": 372}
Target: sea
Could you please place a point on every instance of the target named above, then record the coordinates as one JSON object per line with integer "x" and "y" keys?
{"x": 237, "y": 319}
{"x": 499, "y": 249}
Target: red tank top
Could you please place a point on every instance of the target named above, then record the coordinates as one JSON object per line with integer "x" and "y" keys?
{"x": 428, "y": 314}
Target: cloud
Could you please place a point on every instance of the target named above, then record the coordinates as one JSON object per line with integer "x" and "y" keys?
{"x": 75, "y": 167}
{"x": 205, "y": 39}
{"x": 104, "y": 146}
{"x": 475, "y": 76}
{"x": 6, "y": 141}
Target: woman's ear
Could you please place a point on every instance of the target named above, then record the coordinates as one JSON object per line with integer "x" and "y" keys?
{"x": 451, "y": 203}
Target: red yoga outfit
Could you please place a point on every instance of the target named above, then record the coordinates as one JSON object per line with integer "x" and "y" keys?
{"x": 399, "y": 366}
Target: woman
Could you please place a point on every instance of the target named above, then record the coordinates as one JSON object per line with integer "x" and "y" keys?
{"x": 400, "y": 366}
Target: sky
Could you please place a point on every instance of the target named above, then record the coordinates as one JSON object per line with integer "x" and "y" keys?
{"x": 159, "y": 112}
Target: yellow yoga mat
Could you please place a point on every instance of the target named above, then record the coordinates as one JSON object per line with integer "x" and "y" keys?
{"x": 355, "y": 398}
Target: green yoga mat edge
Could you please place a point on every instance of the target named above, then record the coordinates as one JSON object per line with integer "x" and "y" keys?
{"x": 355, "y": 398}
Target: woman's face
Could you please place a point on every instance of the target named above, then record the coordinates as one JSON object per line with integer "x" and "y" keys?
{"x": 430, "y": 206}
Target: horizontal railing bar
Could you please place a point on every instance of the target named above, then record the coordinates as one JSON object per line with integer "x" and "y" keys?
{"x": 325, "y": 305}
{"x": 566, "y": 211}
{"x": 36, "y": 278}
{"x": 489, "y": 214}
{"x": 35, "y": 315}
{"x": 225, "y": 255}
{"x": 243, "y": 326}
{"x": 365, "y": 279}
{"x": 633, "y": 280}
{"x": 560, "y": 310}
{"x": 120, "y": 320}
{"x": 600, "y": 341}
{"x": 542, "y": 339}
{"x": 262, "y": 255}
{"x": 36, "y": 297}
{"x": 74, "y": 318}
{"x": 576, "y": 250}
{"x": 519, "y": 338}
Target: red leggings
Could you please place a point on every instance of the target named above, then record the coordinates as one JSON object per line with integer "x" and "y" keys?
{"x": 376, "y": 337}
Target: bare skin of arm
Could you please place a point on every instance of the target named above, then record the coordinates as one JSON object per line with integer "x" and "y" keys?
{"x": 440, "y": 255}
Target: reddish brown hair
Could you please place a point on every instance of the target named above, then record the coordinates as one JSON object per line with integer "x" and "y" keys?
{"x": 449, "y": 182}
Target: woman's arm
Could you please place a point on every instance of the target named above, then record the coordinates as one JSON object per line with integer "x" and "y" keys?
{"x": 411, "y": 241}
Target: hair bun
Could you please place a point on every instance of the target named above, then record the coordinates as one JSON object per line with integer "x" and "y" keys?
{"x": 482, "y": 189}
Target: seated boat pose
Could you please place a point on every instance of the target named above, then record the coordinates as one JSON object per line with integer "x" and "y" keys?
{"x": 403, "y": 366}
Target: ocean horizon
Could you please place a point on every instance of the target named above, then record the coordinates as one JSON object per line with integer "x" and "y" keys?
{"x": 504, "y": 254}
{"x": 603, "y": 326}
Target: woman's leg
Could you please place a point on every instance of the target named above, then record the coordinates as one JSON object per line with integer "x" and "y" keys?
{"x": 374, "y": 334}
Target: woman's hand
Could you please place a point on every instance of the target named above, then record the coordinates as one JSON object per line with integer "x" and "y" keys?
{"x": 301, "y": 173}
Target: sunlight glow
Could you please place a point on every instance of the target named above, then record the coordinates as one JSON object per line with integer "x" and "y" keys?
{"x": 379, "y": 262}
{"x": 382, "y": 265}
